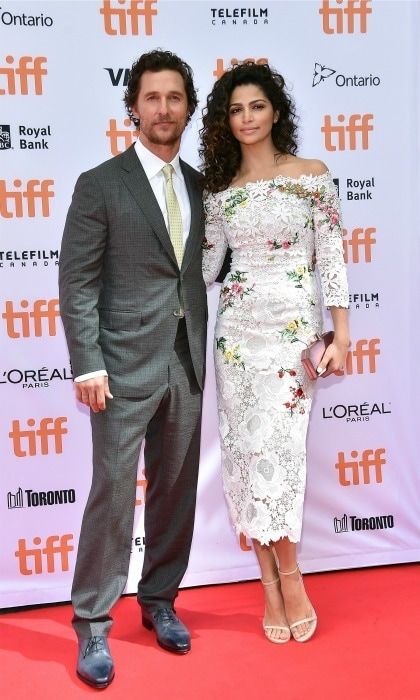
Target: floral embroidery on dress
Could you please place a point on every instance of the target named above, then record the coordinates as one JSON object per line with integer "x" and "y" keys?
{"x": 309, "y": 222}
{"x": 277, "y": 245}
{"x": 292, "y": 330}
{"x": 297, "y": 400}
{"x": 236, "y": 290}
{"x": 238, "y": 198}
{"x": 282, "y": 371}
{"x": 292, "y": 187}
{"x": 281, "y": 245}
{"x": 300, "y": 274}
{"x": 231, "y": 355}
{"x": 206, "y": 245}
{"x": 324, "y": 203}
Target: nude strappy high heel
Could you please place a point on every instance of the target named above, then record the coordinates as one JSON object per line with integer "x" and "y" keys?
{"x": 268, "y": 628}
{"x": 311, "y": 619}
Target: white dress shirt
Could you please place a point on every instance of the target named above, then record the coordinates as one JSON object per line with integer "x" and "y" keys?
{"x": 152, "y": 166}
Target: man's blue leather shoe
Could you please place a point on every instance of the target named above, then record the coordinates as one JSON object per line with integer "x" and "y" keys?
{"x": 171, "y": 634}
{"x": 95, "y": 665}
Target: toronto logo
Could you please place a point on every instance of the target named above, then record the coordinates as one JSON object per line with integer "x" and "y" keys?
{"x": 356, "y": 524}
{"x": 35, "y": 499}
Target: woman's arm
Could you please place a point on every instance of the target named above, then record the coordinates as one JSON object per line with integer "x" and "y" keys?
{"x": 332, "y": 269}
{"x": 214, "y": 243}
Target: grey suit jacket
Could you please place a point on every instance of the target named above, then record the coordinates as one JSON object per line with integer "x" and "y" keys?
{"x": 119, "y": 280}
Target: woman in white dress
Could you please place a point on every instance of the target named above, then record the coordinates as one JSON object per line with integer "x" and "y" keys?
{"x": 274, "y": 210}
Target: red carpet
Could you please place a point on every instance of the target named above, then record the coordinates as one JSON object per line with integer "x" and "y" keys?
{"x": 367, "y": 646}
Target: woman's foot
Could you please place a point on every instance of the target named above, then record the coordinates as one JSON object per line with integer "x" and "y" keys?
{"x": 299, "y": 611}
{"x": 275, "y": 624}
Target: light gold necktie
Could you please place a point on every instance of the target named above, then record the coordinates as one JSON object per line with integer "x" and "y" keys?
{"x": 176, "y": 229}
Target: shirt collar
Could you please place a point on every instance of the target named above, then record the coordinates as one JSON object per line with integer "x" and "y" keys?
{"x": 152, "y": 164}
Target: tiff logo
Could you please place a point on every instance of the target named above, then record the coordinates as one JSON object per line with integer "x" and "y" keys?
{"x": 28, "y": 73}
{"x": 372, "y": 461}
{"x": 344, "y": 137}
{"x": 55, "y": 546}
{"x": 365, "y": 351}
{"x": 221, "y": 70}
{"x": 340, "y": 17}
{"x": 26, "y": 199}
{"x": 20, "y": 323}
{"x": 120, "y": 139}
{"x": 122, "y": 17}
{"x": 38, "y": 440}
{"x": 141, "y": 486}
{"x": 15, "y": 500}
{"x": 244, "y": 543}
{"x": 360, "y": 238}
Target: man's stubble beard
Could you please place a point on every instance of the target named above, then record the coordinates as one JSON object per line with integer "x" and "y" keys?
{"x": 165, "y": 140}
{"x": 170, "y": 140}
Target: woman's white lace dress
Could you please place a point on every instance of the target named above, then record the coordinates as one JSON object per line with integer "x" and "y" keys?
{"x": 269, "y": 309}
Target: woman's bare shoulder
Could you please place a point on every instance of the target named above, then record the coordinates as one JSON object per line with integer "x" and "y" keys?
{"x": 296, "y": 167}
{"x": 311, "y": 166}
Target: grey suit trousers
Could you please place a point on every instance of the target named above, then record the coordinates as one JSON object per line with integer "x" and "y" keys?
{"x": 169, "y": 421}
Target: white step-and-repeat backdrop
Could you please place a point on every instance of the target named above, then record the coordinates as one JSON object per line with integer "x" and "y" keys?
{"x": 352, "y": 66}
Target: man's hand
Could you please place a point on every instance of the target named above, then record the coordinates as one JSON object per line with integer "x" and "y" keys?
{"x": 93, "y": 393}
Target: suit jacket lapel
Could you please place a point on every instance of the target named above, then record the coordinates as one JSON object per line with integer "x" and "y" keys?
{"x": 195, "y": 234}
{"x": 136, "y": 181}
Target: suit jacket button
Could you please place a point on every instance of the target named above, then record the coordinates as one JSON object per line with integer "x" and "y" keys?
{"x": 179, "y": 313}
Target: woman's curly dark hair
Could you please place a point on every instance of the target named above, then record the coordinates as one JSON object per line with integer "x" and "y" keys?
{"x": 220, "y": 151}
{"x": 156, "y": 61}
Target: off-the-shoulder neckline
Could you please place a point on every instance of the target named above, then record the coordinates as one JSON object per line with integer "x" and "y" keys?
{"x": 307, "y": 176}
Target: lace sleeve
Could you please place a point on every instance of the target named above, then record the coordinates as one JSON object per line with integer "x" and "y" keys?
{"x": 214, "y": 244}
{"x": 329, "y": 243}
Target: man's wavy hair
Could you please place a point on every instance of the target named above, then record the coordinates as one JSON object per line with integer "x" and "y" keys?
{"x": 220, "y": 151}
{"x": 156, "y": 61}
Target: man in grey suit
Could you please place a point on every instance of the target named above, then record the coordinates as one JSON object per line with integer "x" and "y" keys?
{"x": 133, "y": 304}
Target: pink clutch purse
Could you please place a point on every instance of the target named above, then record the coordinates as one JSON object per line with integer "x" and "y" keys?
{"x": 312, "y": 355}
